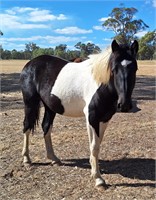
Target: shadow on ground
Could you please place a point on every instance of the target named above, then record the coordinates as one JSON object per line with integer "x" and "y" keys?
{"x": 144, "y": 89}
{"x": 10, "y": 82}
{"x": 134, "y": 168}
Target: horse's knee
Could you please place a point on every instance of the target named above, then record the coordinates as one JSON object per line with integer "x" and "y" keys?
{"x": 94, "y": 150}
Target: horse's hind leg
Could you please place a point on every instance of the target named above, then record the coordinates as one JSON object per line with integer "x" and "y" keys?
{"x": 29, "y": 124}
{"x": 32, "y": 105}
{"x": 47, "y": 128}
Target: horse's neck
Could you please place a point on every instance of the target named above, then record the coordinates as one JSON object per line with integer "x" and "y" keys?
{"x": 106, "y": 101}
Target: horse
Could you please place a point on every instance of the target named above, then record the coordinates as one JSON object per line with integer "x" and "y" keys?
{"x": 77, "y": 60}
{"x": 96, "y": 88}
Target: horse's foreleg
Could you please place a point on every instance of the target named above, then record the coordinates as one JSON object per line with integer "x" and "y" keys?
{"x": 95, "y": 142}
{"x": 25, "y": 152}
{"x": 49, "y": 148}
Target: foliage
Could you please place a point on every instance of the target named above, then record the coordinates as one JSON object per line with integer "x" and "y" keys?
{"x": 42, "y": 51}
{"x": 32, "y": 51}
{"x": 29, "y": 48}
{"x": 87, "y": 49}
{"x": 123, "y": 23}
{"x": 60, "y": 51}
{"x": 147, "y": 46}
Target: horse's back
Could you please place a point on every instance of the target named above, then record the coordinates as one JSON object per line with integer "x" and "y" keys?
{"x": 44, "y": 64}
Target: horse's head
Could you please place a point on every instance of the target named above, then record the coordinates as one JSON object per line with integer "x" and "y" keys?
{"x": 124, "y": 66}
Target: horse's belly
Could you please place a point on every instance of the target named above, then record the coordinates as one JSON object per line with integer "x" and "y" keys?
{"x": 73, "y": 108}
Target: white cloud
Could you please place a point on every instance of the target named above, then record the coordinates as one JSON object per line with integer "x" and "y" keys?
{"x": 60, "y": 39}
{"x": 27, "y": 18}
{"x": 107, "y": 39}
{"x": 154, "y": 3}
{"x": 141, "y": 34}
{"x": 151, "y": 2}
{"x": 14, "y": 22}
{"x": 72, "y": 30}
{"x": 44, "y": 15}
{"x": 61, "y": 17}
{"x": 103, "y": 19}
{"x": 19, "y": 43}
{"x": 98, "y": 27}
{"x": 16, "y": 10}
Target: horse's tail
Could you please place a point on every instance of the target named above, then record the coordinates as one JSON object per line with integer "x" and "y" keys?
{"x": 31, "y": 99}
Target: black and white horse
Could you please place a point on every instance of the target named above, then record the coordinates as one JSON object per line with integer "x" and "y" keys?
{"x": 95, "y": 88}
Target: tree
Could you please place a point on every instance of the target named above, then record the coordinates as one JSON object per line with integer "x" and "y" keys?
{"x": 1, "y": 33}
{"x": 72, "y": 54}
{"x": 123, "y": 23}
{"x": 87, "y": 49}
{"x": 29, "y": 48}
{"x": 147, "y": 46}
{"x": 17, "y": 54}
{"x": 6, "y": 54}
{"x": 60, "y": 51}
{"x": 41, "y": 51}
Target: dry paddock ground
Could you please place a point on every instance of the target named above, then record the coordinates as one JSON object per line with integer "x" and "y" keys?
{"x": 127, "y": 157}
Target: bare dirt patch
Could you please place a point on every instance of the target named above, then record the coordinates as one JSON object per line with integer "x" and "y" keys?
{"x": 127, "y": 157}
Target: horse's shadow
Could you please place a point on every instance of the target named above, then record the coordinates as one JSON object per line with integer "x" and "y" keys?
{"x": 133, "y": 168}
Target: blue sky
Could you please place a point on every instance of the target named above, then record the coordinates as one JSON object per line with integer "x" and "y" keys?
{"x": 53, "y": 22}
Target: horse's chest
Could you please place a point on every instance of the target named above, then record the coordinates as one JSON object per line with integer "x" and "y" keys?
{"x": 103, "y": 105}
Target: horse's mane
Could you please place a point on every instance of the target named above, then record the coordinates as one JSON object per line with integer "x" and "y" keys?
{"x": 100, "y": 69}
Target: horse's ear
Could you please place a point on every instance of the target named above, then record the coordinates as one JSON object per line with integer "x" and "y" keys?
{"x": 134, "y": 48}
{"x": 115, "y": 46}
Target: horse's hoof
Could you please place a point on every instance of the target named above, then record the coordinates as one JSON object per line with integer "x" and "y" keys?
{"x": 102, "y": 187}
{"x": 27, "y": 165}
{"x": 57, "y": 162}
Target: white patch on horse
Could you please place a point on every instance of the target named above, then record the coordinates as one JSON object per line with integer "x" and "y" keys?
{"x": 25, "y": 151}
{"x": 75, "y": 87}
{"x": 124, "y": 63}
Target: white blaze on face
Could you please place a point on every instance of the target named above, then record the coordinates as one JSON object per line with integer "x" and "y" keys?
{"x": 124, "y": 63}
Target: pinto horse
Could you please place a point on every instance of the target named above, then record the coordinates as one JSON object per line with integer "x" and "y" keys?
{"x": 95, "y": 88}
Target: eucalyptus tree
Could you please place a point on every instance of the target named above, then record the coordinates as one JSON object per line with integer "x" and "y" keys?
{"x": 122, "y": 21}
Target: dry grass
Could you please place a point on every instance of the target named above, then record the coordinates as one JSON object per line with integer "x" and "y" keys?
{"x": 146, "y": 68}
{"x": 15, "y": 66}
{"x": 12, "y": 66}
